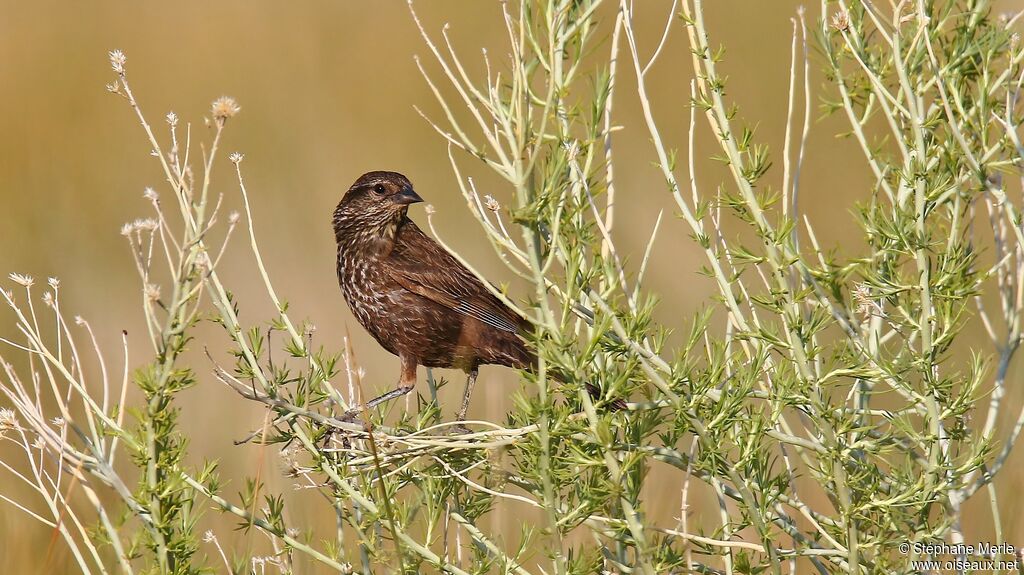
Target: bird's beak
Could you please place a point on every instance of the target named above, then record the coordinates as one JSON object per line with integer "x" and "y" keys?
{"x": 406, "y": 197}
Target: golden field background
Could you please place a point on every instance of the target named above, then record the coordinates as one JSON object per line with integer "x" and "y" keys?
{"x": 327, "y": 90}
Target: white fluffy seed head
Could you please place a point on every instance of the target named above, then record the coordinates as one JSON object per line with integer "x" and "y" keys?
{"x": 117, "y": 60}
{"x": 224, "y": 107}
{"x": 203, "y": 261}
{"x": 8, "y": 419}
{"x": 22, "y": 279}
{"x": 841, "y": 21}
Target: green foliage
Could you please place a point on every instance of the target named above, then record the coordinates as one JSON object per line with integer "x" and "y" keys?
{"x": 829, "y": 405}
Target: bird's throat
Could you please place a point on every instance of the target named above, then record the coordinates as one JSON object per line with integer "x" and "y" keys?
{"x": 374, "y": 239}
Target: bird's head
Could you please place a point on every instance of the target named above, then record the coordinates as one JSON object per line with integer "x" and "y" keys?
{"x": 374, "y": 204}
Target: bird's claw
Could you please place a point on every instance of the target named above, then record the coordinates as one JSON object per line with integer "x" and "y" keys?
{"x": 352, "y": 416}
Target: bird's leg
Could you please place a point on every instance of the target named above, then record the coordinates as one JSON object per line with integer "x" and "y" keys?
{"x": 470, "y": 382}
{"x": 405, "y": 384}
{"x": 397, "y": 392}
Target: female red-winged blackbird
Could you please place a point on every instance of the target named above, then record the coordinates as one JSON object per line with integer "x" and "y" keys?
{"x": 416, "y": 299}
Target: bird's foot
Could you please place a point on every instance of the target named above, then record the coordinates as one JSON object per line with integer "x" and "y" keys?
{"x": 351, "y": 415}
{"x": 459, "y": 429}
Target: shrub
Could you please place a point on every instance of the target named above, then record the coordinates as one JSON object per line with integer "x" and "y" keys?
{"x": 840, "y": 411}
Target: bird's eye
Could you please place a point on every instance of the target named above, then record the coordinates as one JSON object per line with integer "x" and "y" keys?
{"x": 379, "y": 189}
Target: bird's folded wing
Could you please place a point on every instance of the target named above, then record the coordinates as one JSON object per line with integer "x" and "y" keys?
{"x": 424, "y": 267}
{"x": 432, "y": 285}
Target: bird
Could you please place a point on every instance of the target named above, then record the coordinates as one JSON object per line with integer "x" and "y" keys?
{"x": 413, "y": 296}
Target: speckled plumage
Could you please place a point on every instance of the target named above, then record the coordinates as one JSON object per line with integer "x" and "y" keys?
{"x": 416, "y": 299}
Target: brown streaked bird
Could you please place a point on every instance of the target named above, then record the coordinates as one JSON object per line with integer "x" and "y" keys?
{"x": 416, "y": 299}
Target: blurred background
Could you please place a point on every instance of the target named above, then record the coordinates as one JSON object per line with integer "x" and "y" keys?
{"x": 327, "y": 91}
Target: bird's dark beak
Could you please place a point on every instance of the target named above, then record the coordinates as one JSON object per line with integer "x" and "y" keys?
{"x": 406, "y": 197}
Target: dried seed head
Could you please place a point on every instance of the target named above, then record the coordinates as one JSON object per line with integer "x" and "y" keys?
{"x": 54, "y": 282}
{"x": 430, "y": 209}
{"x": 491, "y": 203}
{"x": 236, "y": 157}
{"x": 148, "y": 224}
{"x": 8, "y": 420}
{"x": 841, "y": 21}
{"x": 39, "y": 443}
{"x": 152, "y": 292}
{"x": 150, "y": 194}
{"x": 172, "y": 119}
{"x": 233, "y": 218}
{"x": 79, "y": 320}
{"x": 203, "y": 261}
{"x": 223, "y": 108}
{"x": 114, "y": 88}
{"x": 127, "y": 229}
{"x": 22, "y": 279}
{"x": 865, "y": 303}
{"x": 117, "y": 60}
{"x": 208, "y": 536}
{"x": 861, "y": 292}
{"x": 48, "y": 298}
{"x": 58, "y": 421}
{"x": 289, "y": 451}
{"x": 291, "y": 471}
{"x": 289, "y": 463}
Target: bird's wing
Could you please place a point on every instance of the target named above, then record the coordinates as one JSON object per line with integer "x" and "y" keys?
{"x": 422, "y": 266}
